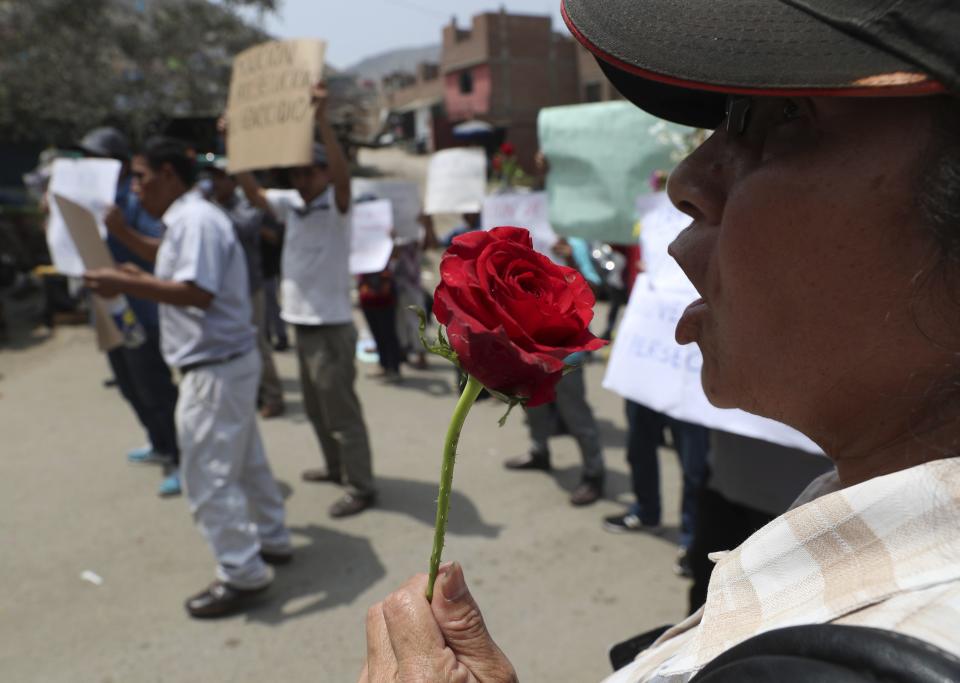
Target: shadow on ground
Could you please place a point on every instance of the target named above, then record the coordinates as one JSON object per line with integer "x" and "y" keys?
{"x": 331, "y": 569}
{"x": 417, "y": 499}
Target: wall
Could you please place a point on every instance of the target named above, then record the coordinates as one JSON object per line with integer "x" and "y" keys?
{"x": 463, "y": 106}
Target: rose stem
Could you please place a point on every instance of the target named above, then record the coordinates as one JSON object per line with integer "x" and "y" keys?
{"x": 467, "y": 399}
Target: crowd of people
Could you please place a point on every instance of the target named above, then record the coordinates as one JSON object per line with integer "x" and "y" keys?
{"x": 216, "y": 267}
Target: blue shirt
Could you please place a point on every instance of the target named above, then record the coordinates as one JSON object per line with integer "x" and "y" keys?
{"x": 201, "y": 247}
{"x": 142, "y": 222}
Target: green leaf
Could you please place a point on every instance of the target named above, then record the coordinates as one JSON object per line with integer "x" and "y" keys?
{"x": 442, "y": 346}
{"x": 510, "y": 406}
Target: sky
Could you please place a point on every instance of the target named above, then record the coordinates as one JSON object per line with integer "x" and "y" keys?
{"x": 355, "y": 29}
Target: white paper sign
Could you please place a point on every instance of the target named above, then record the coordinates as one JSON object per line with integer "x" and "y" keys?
{"x": 456, "y": 181}
{"x": 646, "y": 363}
{"x": 91, "y": 183}
{"x": 404, "y": 196}
{"x": 371, "y": 242}
{"x": 528, "y": 210}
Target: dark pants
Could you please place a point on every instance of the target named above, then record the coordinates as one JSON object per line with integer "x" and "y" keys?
{"x": 644, "y": 437}
{"x": 144, "y": 380}
{"x": 721, "y": 525}
{"x": 382, "y": 321}
{"x": 274, "y": 327}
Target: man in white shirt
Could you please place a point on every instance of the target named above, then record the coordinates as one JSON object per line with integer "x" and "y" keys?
{"x": 200, "y": 282}
{"x": 316, "y": 300}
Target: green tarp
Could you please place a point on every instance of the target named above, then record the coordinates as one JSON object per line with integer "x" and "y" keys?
{"x": 601, "y": 157}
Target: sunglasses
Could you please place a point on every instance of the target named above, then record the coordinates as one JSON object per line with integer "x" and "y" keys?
{"x": 738, "y": 113}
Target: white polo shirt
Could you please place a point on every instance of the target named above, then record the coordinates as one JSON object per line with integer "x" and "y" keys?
{"x": 316, "y": 258}
{"x": 200, "y": 246}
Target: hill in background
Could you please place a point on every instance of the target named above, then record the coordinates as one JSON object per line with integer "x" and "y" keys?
{"x": 404, "y": 59}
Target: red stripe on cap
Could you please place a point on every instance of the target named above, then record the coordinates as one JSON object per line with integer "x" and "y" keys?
{"x": 926, "y": 87}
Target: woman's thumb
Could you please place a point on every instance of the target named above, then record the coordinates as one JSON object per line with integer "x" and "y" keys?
{"x": 463, "y": 627}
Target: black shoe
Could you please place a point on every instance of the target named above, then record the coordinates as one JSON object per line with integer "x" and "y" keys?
{"x": 351, "y": 504}
{"x": 276, "y": 558}
{"x": 529, "y": 461}
{"x": 281, "y": 346}
{"x": 588, "y": 491}
{"x": 220, "y": 600}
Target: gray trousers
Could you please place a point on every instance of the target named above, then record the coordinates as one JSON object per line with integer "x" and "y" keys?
{"x": 572, "y": 408}
{"x": 271, "y": 390}
{"x": 232, "y": 493}
{"x": 327, "y": 375}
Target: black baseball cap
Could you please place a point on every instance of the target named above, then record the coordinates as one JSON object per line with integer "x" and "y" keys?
{"x": 681, "y": 59}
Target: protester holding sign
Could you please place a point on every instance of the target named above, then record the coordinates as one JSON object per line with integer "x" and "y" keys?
{"x": 201, "y": 286}
{"x": 142, "y": 375}
{"x": 316, "y": 300}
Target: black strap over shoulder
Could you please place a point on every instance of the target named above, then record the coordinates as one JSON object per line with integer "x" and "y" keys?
{"x": 830, "y": 653}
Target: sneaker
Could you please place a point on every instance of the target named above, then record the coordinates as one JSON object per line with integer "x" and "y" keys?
{"x": 629, "y": 522}
{"x": 682, "y": 566}
{"x": 170, "y": 486}
{"x": 145, "y": 455}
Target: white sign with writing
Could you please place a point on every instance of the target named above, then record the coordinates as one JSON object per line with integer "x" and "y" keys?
{"x": 371, "y": 241}
{"x": 648, "y": 366}
{"x": 404, "y": 196}
{"x": 91, "y": 183}
{"x": 269, "y": 113}
{"x": 528, "y": 210}
{"x": 456, "y": 181}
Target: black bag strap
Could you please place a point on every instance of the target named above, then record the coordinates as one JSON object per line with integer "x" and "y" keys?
{"x": 831, "y": 653}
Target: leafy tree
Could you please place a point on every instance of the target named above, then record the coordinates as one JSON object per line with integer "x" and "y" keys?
{"x": 67, "y": 66}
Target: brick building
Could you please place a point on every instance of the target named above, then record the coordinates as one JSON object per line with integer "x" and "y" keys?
{"x": 503, "y": 70}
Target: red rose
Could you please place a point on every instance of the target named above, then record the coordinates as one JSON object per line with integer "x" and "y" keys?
{"x": 512, "y": 315}
{"x": 507, "y": 149}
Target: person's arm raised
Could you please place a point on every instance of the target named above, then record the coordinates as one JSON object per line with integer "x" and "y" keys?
{"x": 336, "y": 160}
{"x": 246, "y": 180}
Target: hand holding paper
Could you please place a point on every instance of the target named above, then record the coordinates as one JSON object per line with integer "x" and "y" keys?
{"x": 106, "y": 282}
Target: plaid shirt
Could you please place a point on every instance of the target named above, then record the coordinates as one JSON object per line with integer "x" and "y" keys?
{"x": 884, "y": 553}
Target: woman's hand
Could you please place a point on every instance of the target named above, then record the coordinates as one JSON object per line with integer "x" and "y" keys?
{"x": 410, "y": 640}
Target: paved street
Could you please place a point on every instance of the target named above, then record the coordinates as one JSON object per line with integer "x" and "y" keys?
{"x": 556, "y": 589}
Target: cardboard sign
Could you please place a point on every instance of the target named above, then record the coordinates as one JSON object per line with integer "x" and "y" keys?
{"x": 524, "y": 210}
{"x": 648, "y": 366}
{"x": 371, "y": 242}
{"x": 404, "y": 198}
{"x": 601, "y": 157}
{"x": 456, "y": 181}
{"x": 269, "y": 114}
{"x": 84, "y": 233}
{"x": 90, "y": 183}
